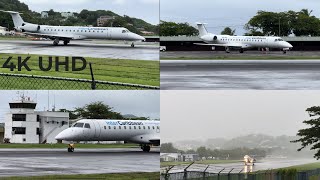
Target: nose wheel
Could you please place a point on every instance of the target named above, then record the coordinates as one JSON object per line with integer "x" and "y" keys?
{"x": 56, "y": 42}
{"x": 70, "y": 147}
{"x": 132, "y": 45}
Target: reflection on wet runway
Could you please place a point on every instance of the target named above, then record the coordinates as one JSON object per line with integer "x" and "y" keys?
{"x": 239, "y": 74}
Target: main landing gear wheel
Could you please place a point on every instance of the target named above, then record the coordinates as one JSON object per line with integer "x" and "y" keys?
{"x": 56, "y": 42}
{"x": 227, "y": 50}
{"x": 284, "y": 52}
{"x": 145, "y": 148}
{"x": 71, "y": 148}
{"x": 66, "y": 42}
{"x": 132, "y": 45}
{"x": 241, "y": 50}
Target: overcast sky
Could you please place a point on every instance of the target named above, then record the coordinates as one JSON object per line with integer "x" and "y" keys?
{"x": 147, "y": 10}
{"x": 233, "y": 13}
{"x": 200, "y": 115}
{"x": 139, "y": 103}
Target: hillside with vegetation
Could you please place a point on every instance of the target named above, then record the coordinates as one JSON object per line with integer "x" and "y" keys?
{"x": 84, "y": 18}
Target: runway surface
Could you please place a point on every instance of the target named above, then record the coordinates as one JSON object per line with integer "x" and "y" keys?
{"x": 240, "y": 74}
{"x": 240, "y": 167}
{"x": 30, "y": 162}
{"x": 82, "y": 48}
{"x": 235, "y": 54}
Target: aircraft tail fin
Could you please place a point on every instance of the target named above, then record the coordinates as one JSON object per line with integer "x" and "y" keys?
{"x": 17, "y": 19}
{"x": 202, "y": 29}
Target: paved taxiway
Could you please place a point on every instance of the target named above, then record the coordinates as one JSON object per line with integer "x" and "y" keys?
{"x": 240, "y": 167}
{"x": 29, "y": 162}
{"x": 240, "y": 74}
{"x": 82, "y": 48}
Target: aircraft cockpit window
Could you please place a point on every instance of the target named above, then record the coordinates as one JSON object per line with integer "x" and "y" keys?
{"x": 78, "y": 125}
{"x": 87, "y": 125}
{"x": 125, "y": 31}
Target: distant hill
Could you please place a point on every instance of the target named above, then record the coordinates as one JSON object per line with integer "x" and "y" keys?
{"x": 84, "y": 18}
{"x": 279, "y": 145}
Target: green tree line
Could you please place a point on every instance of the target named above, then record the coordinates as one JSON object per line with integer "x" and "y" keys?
{"x": 233, "y": 154}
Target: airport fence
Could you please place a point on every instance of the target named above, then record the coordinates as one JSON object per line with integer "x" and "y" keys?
{"x": 214, "y": 172}
{"x": 33, "y": 82}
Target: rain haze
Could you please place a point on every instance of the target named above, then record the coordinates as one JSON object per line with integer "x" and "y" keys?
{"x": 234, "y": 14}
{"x": 138, "y": 103}
{"x": 200, "y": 115}
{"x": 147, "y": 10}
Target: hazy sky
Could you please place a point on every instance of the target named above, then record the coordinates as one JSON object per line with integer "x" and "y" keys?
{"x": 147, "y": 10}
{"x": 188, "y": 115}
{"x": 139, "y": 103}
{"x": 233, "y": 13}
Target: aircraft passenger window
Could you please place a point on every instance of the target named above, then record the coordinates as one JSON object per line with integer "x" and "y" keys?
{"x": 85, "y": 31}
{"x": 144, "y": 127}
{"x": 134, "y": 127}
{"x": 119, "y": 127}
{"x": 105, "y": 127}
{"x": 109, "y": 127}
{"x": 55, "y": 30}
{"x": 158, "y": 127}
{"x": 152, "y": 127}
{"x": 125, "y": 127}
{"x": 114, "y": 127}
{"x": 102, "y": 31}
{"x": 89, "y": 31}
{"x": 129, "y": 127}
{"x": 148, "y": 127}
{"x": 92, "y": 31}
{"x": 87, "y": 125}
{"x": 139, "y": 127}
{"x": 81, "y": 30}
{"x": 78, "y": 125}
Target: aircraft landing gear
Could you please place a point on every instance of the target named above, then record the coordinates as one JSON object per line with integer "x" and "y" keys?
{"x": 241, "y": 50}
{"x": 145, "y": 148}
{"x": 284, "y": 52}
{"x": 70, "y": 147}
{"x": 132, "y": 45}
{"x": 66, "y": 42}
{"x": 227, "y": 50}
{"x": 56, "y": 42}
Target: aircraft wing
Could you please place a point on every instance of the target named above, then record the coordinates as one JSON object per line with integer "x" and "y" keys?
{"x": 221, "y": 45}
{"x": 53, "y": 36}
{"x": 231, "y": 45}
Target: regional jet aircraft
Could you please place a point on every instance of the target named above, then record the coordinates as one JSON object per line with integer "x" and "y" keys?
{"x": 241, "y": 42}
{"x": 67, "y": 33}
{"x": 145, "y": 133}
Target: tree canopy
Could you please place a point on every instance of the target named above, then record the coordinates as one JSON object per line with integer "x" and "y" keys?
{"x": 310, "y": 136}
{"x": 300, "y": 23}
{"x": 228, "y": 31}
{"x": 177, "y": 29}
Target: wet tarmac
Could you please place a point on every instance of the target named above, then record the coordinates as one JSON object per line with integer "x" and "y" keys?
{"x": 239, "y": 167}
{"x": 31, "y": 162}
{"x": 97, "y": 49}
{"x": 235, "y": 54}
{"x": 240, "y": 74}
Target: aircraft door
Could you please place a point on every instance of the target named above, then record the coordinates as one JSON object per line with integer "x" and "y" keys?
{"x": 97, "y": 129}
{"x": 158, "y": 129}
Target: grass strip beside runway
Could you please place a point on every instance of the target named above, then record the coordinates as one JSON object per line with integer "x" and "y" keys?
{"x": 58, "y": 146}
{"x": 305, "y": 167}
{"x": 104, "y": 69}
{"x": 118, "y": 176}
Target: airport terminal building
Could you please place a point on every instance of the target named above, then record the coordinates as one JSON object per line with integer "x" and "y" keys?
{"x": 25, "y": 125}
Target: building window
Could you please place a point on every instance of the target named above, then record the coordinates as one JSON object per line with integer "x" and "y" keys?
{"x": 38, "y": 131}
{"x": 38, "y": 118}
{"x": 19, "y": 130}
{"x": 19, "y": 117}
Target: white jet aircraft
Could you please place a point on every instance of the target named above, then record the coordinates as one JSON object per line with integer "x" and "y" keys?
{"x": 145, "y": 133}
{"x": 241, "y": 42}
{"x": 67, "y": 33}
{"x": 249, "y": 161}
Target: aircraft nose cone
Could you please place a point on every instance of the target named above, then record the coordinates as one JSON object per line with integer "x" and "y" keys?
{"x": 63, "y": 135}
{"x": 138, "y": 37}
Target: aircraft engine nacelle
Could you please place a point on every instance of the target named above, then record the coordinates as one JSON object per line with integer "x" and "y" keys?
{"x": 29, "y": 27}
{"x": 215, "y": 38}
{"x": 210, "y": 38}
